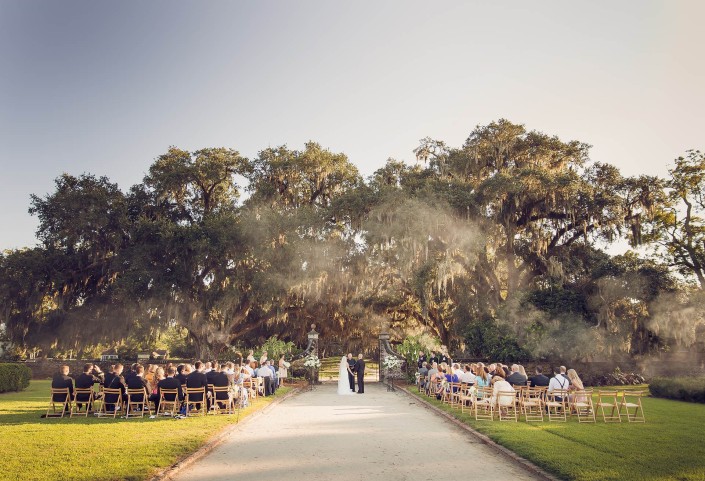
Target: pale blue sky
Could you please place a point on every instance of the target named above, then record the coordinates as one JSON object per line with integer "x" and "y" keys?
{"x": 105, "y": 87}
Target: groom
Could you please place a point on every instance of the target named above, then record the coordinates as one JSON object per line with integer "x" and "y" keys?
{"x": 351, "y": 372}
{"x": 360, "y": 370}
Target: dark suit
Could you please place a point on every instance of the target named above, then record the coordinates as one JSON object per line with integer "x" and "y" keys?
{"x": 59, "y": 381}
{"x": 168, "y": 383}
{"x": 84, "y": 381}
{"x": 196, "y": 380}
{"x": 516, "y": 379}
{"x": 138, "y": 382}
{"x": 209, "y": 376}
{"x": 539, "y": 380}
{"x": 182, "y": 378}
{"x": 360, "y": 370}
{"x": 220, "y": 379}
{"x": 116, "y": 382}
{"x": 108, "y": 379}
{"x": 351, "y": 374}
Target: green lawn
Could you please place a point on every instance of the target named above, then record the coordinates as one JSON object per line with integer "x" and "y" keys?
{"x": 669, "y": 446}
{"x": 96, "y": 449}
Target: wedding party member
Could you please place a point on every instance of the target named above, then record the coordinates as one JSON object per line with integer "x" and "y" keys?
{"x": 251, "y": 357}
{"x": 539, "y": 379}
{"x": 263, "y": 359}
{"x": 351, "y": 371}
{"x": 432, "y": 359}
{"x": 283, "y": 370}
{"x": 443, "y": 358}
{"x": 421, "y": 359}
{"x": 61, "y": 380}
{"x": 360, "y": 371}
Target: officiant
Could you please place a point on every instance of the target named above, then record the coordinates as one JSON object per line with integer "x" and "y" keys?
{"x": 351, "y": 371}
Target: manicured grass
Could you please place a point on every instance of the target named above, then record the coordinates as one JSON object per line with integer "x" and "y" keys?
{"x": 668, "y": 446}
{"x": 92, "y": 448}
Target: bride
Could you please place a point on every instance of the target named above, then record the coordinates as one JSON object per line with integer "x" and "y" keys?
{"x": 343, "y": 384}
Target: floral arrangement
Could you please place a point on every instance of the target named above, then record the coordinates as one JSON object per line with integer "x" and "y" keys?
{"x": 391, "y": 363}
{"x": 312, "y": 362}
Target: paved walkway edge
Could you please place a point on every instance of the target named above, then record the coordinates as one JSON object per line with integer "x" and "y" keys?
{"x": 168, "y": 473}
{"x": 524, "y": 463}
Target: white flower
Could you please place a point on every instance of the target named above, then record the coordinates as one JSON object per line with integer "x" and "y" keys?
{"x": 392, "y": 363}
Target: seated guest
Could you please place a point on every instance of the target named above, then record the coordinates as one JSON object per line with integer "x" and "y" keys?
{"x": 539, "y": 379}
{"x": 130, "y": 372}
{"x": 116, "y": 382}
{"x": 197, "y": 379}
{"x": 499, "y": 384}
{"x": 457, "y": 370}
{"x": 149, "y": 374}
{"x": 137, "y": 381}
{"x": 423, "y": 372}
{"x": 220, "y": 379}
{"x": 214, "y": 371}
{"x": 180, "y": 375}
{"x": 85, "y": 380}
{"x": 275, "y": 378}
{"x": 169, "y": 382}
{"x": 563, "y": 373}
{"x": 499, "y": 371}
{"x": 468, "y": 376}
{"x": 207, "y": 367}
{"x": 491, "y": 369}
{"x": 109, "y": 376}
{"x": 516, "y": 378}
{"x": 558, "y": 382}
{"x": 61, "y": 380}
{"x": 482, "y": 377}
{"x": 576, "y": 384}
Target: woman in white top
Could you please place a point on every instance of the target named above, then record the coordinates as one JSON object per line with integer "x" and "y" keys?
{"x": 499, "y": 384}
{"x": 283, "y": 373}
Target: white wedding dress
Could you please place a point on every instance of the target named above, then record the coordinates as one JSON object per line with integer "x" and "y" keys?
{"x": 343, "y": 383}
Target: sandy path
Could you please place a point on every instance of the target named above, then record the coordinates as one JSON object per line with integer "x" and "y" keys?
{"x": 373, "y": 436}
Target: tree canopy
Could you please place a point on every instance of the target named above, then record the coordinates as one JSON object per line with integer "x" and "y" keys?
{"x": 495, "y": 247}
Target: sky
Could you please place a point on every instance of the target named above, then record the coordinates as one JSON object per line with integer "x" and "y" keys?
{"x": 105, "y": 87}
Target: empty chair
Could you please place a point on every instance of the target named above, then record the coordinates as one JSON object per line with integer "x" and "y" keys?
{"x": 609, "y": 406}
{"x": 630, "y": 406}
{"x": 532, "y": 403}
{"x": 483, "y": 404}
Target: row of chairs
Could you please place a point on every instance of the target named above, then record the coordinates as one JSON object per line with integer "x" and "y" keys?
{"x": 536, "y": 403}
{"x": 84, "y": 401}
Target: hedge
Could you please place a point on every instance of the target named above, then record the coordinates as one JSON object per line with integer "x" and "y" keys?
{"x": 680, "y": 388}
{"x": 14, "y": 377}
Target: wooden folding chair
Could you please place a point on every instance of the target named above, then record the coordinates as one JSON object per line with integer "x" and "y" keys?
{"x": 111, "y": 395}
{"x": 557, "y": 405}
{"x": 169, "y": 402}
{"x": 137, "y": 403}
{"x": 221, "y": 395}
{"x": 466, "y": 396}
{"x": 532, "y": 403}
{"x": 196, "y": 397}
{"x": 580, "y": 403}
{"x": 507, "y": 406}
{"x": 261, "y": 390}
{"x": 632, "y": 400}
{"x": 61, "y": 397}
{"x": 84, "y": 397}
{"x": 607, "y": 401}
{"x": 483, "y": 404}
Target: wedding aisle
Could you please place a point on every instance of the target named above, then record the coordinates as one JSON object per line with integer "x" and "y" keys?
{"x": 378, "y": 435}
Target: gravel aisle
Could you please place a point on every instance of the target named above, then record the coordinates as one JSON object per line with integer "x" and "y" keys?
{"x": 373, "y": 436}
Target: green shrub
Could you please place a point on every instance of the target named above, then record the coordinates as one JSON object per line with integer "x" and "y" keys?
{"x": 680, "y": 388}
{"x": 14, "y": 377}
